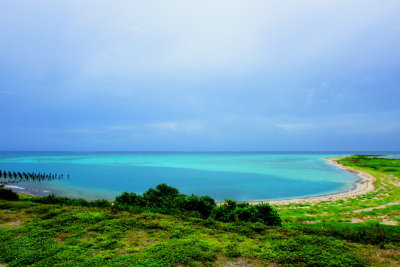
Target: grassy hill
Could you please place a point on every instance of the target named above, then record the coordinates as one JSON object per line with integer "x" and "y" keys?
{"x": 361, "y": 231}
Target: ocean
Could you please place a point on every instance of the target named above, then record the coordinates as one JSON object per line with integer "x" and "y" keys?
{"x": 239, "y": 176}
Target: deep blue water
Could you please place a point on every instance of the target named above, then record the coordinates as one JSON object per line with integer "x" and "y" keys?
{"x": 240, "y": 176}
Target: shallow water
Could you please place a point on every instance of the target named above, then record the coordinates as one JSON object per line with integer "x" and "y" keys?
{"x": 240, "y": 176}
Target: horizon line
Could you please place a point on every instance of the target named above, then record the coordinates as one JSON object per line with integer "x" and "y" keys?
{"x": 205, "y": 151}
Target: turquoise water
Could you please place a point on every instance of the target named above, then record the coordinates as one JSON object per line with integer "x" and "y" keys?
{"x": 240, "y": 176}
{"x": 392, "y": 156}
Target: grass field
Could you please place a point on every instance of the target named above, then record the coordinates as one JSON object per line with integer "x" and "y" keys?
{"x": 361, "y": 231}
{"x": 381, "y": 206}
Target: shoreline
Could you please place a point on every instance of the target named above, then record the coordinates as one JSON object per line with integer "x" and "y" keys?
{"x": 361, "y": 187}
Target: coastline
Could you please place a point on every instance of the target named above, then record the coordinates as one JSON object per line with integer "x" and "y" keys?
{"x": 361, "y": 187}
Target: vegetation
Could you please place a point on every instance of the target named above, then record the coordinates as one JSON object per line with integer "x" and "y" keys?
{"x": 382, "y": 205}
{"x": 167, "y": 200}
{"x": 233, "y": 211}
{"x": 52, "y": 199}
{"x": 53, "y": 234}
{"x": 7, "y": 194}
{"x": 165, "y": 228}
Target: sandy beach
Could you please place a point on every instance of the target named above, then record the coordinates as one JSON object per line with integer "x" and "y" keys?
{"x": 363, "y": 186}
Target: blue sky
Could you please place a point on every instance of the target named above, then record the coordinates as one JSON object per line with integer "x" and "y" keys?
{"x": 200, "y": 75}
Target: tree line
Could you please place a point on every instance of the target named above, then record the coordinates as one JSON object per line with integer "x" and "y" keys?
{"x": 166, "y": 199}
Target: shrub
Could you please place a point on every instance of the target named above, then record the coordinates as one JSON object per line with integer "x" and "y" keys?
{"x": 233, "y": 211}
{"x": 182, "y": 251}
{"x": 53, "y": 199}
{"x": 201, "y": 204}
{"x": 7, "y": 194}
{"x": 268, "y": 215}
{"x": 311, "y": 250}
{"x": 232, "y": 250}
{"x": 225, "y": 212}
{"x": 166, "y": 199}
{"x": 368, "y": 233}
{"x": 163, "y": 196}
{"x": 131, "y": 199}
{"x": 390, "y": 170}
{"x": 100, "y": 203}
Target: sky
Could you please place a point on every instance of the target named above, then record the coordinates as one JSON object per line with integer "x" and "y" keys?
{"x": 220, "y": 75}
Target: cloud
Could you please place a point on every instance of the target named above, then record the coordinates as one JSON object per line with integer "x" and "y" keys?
{"x": 176, "y": 126}
{"x": 153, "y": 127}
{"x": 297, "y": 126}
{"x": 225, "y": 72}
{"x": 169, "y": 126}
{"x": 348, "y": 124}
{"x": 82, "y": 130}
{"x": 122, "y": 127}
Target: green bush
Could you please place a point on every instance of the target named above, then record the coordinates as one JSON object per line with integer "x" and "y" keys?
{"x": 313, "y": 251}
{"x": 181, "y": 251}
{"x": 232, "y": 250}
{"x": 163, "y": 196}
{"x": 233, "y": 211}
{"x": 131, "y": 199}
{"x": 166, "y": 199}
{"x": 204, "y": 205}
{"x": 268, "y": 215}
{"x": 53, "y": 199}
{"x": 100, "y": 203}
{"x": 7, "y": 194}
{"x": 368, "y": 233}
{"x": 163, "y": 199}
{"x": 225, "y": 212}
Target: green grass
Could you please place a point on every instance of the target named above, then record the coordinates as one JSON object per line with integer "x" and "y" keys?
{"x": 387, "y": 192}
{"x": 49, "y": 234}
{"x": 320, "y": 234}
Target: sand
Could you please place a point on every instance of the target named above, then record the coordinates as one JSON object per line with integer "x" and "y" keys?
{"x": 363, "y": 186}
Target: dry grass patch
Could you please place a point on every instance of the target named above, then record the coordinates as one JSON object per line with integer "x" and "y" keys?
{"x": 382, "y": 257}
{"x": 61, "y": 236}
{"x": 9, "y": 219}
{"x": 376, "y": 207}
{"x": 241, "y": 262}
{"x": 140, "y": 239}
